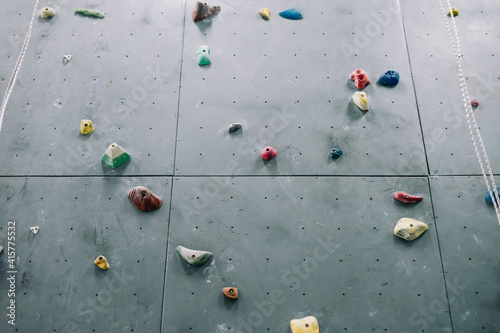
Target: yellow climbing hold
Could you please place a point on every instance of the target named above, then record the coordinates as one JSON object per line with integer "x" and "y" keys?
{"x": 47, "y": 12}
{"x": 454, "y": 11}
{"x": 305, "y": 325}
{"x": 86, "y": 126}
{"x": 361, "y": 100}
{"x": 265, "y": 13}
{"x": 102, "y": 262}
{"x": 409, "y": 229}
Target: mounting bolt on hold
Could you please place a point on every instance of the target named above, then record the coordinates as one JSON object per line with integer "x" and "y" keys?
{"x": 268, "y": 153}
{"x": 47, "y": 12}
{"x": 231, "y": 292}
{"x": 102, "y": 262}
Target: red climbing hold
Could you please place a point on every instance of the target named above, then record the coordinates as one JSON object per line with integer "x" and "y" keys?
{"x": 360, "y": 78}
{"x": 407, "y": 198}
{"x": 268, "y": 153}
{"x": 474, "y": 103}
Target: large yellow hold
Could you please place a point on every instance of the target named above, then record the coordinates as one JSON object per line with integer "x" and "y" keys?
{"x": 305, "y": 325}
{"x": 409, "y": 229}
{"x": 265, "y": 13}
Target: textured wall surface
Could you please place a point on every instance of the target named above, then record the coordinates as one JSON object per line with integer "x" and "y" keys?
{"x": 299, "y": 235}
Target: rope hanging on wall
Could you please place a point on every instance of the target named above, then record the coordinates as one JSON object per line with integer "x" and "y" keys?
{"x": 17, "y": 67}
{"x": 469, "y": 114}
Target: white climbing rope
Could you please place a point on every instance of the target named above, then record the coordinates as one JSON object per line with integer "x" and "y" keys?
{"x": 17, "y": 67}
{"x": 469, "y": 113}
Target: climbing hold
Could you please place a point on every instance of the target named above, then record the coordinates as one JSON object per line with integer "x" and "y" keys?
{"x": 488, "y": 196}
{"x": 88, "y": 12}
{"x": 1, "y": 249}
{"x": 361, "y": 100}
{"x": 389, "y": 78}
{"x": 409, "y": 229}
{"x": 47, "y": 12}
{"x": 336, "y": 153}
{"x": 234, "y": 127}
{"x": 305, "y": 325}
{"x": 194, "y": 257}
{"x": 474, "y": 103}
{"x": 67, "y": 58}
{"x": 268, "y": 153}
{"x": 231, "y": 292}
{"x": 265, "y": 13}
{"x": 204, "y": 55}
{"x": 86, "y": 126}
{"x": 360, "y": 78}
{"x": 406, "y": 198}
{"x": 115, "y": 156}
{"x": 292, "y": 13}
{"x": 202, "y": 11}
{"x": 102, "y": 262}
{"x": 454, "y": 11}
{"x": 143, "y": 199}
{"x": 35, "y": 229}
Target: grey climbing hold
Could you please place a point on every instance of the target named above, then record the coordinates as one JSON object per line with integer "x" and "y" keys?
{"x": 194, "y": 257}
{"x": 234, "y": 127}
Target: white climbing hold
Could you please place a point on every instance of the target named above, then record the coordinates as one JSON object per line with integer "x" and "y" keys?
{"x": 35, "y": 229}
{"x": 47, "y": 12}
{"x": 67, "y": 58}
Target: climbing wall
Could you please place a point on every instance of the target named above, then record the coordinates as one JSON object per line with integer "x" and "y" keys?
{"x": 299, "y": 235}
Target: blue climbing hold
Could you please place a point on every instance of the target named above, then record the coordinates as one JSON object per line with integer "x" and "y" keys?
{"x": 389, "y": 78}
{"x": 336, "y": 153}
{"x": 488, "y": 196}
{"x": 292, "y": 13}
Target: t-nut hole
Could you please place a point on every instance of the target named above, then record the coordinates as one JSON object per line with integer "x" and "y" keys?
{"x": 307, "y": 325}
{"x": 86, "y": 125}
{"x": 411, "y": 225}
{"x": 193, "y": 256}
{"x": 267, "y": 149}
{"x": 231, "y": 291}
{"x": 113, "y": 146}
{"x": 100, "y": 258}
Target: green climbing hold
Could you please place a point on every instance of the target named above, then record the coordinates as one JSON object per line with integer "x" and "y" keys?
{"x": 115, "y": 156}
{"x": 204, "y": 55}
{"x": 88, "y": 12}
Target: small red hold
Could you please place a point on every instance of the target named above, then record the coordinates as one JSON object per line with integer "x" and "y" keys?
{"x": 360, "y": 78}
{"x": 474, "y": 103}
{"x": 406, "y": 198}
{"x": 268, "y": 153}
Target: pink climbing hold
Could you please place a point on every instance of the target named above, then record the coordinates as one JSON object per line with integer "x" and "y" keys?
{"x": 268, "y": 153}
{"x": 360, "y": 78}
{"x": 406, "y": 198}
{"x": 474, "y": 103}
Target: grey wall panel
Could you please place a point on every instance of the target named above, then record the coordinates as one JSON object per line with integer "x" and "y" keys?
{"x": 300, "y": 246}
{"x": 288, "y": 83}
{"x": 123, "y": 75}
{"x": 468, "y": 234}
{"x": 58, "y": 287}
{"x": 449, "y": 146}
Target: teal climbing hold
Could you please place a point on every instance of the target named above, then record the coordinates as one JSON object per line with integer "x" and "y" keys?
{"x": 292, "y": 13}
{"x": 204, "y": 55}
